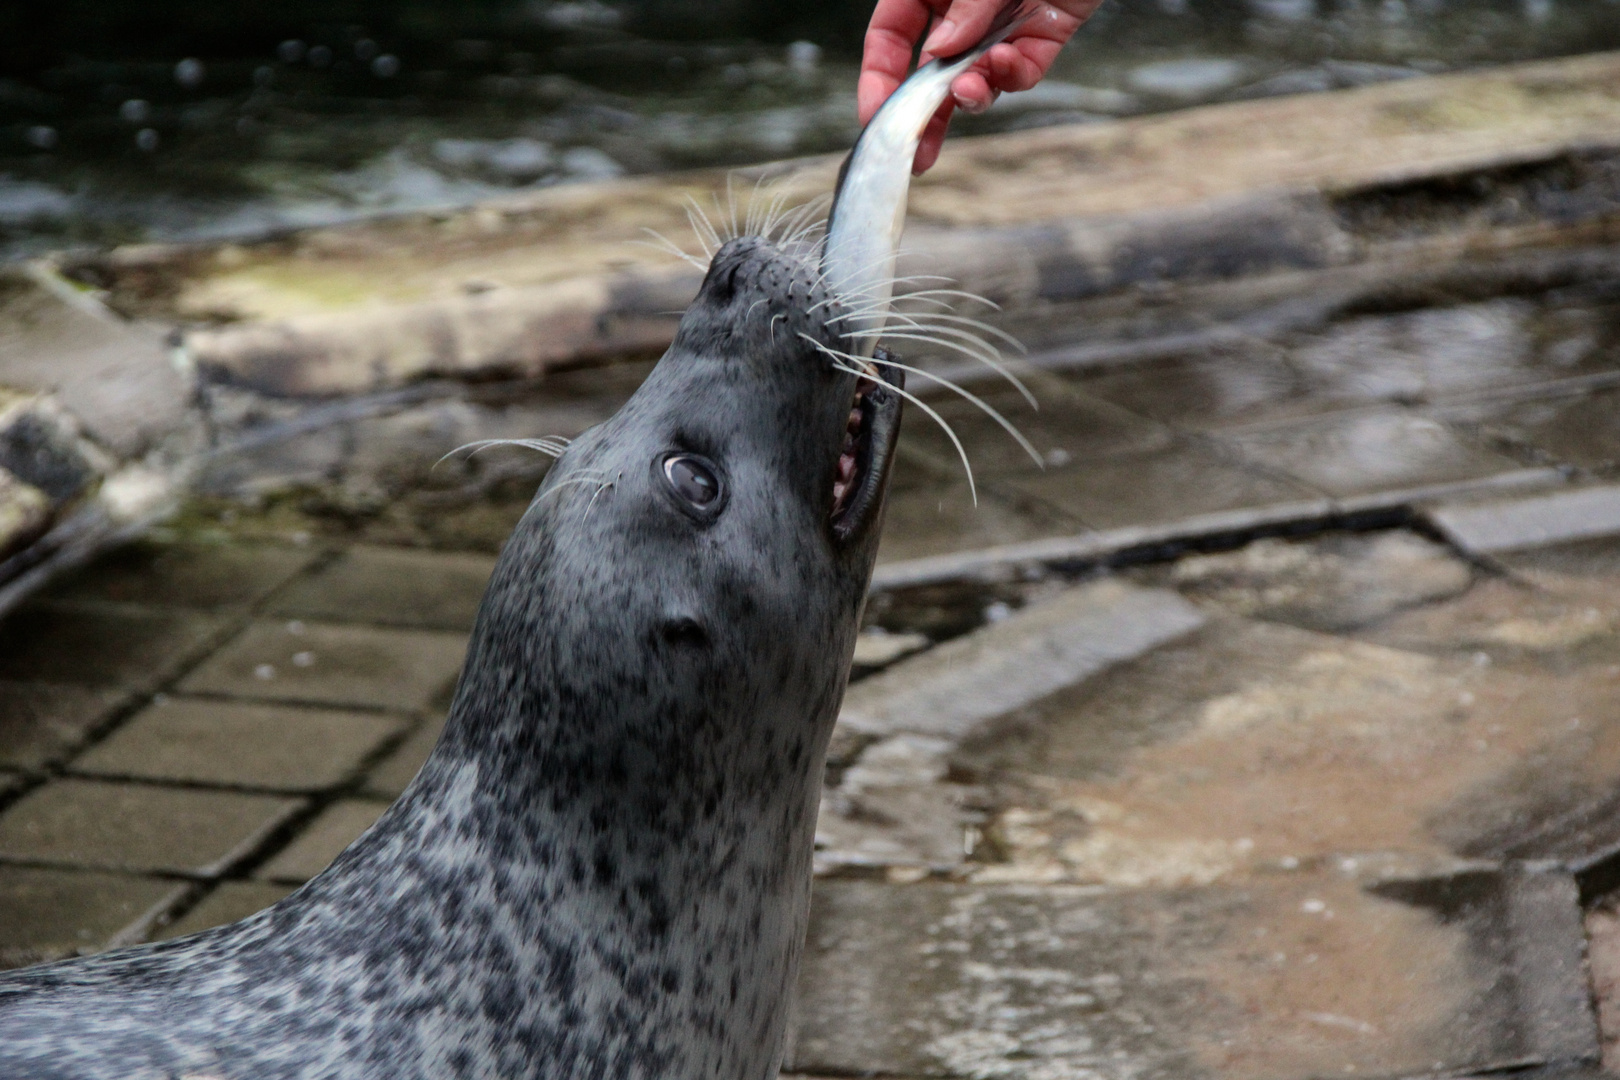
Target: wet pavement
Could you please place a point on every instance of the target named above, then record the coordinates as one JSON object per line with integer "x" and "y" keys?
{"x": 1263, "y": 727}
{"x": 1342, "y": 803}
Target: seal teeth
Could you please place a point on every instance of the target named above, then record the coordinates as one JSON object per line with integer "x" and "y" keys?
{"x": 849, "y": 454}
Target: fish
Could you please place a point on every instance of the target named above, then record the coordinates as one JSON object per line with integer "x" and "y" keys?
{"x": 868, "y": 214}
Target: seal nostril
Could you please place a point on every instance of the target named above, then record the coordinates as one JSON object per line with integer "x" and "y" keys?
{"x": 684, "y": 631}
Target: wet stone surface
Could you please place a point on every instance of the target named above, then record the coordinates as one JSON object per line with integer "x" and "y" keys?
{"x": 1311, "y": 793}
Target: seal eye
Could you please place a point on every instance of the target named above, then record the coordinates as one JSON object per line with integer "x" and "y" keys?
{"x": 692, "y": 480}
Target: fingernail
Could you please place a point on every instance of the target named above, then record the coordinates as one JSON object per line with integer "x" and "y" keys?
{"x": 942, "y": 33}
{"x": 972, "y": 105}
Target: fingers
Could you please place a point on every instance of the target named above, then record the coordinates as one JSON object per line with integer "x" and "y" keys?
{"x": 886, "y": 57}
{"x": 965, "y": 22}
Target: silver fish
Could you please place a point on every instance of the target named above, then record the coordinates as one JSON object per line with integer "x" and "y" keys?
{"x": 869, "y": 206}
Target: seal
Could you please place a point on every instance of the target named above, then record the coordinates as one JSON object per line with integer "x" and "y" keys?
{"x": 603, "y": 870}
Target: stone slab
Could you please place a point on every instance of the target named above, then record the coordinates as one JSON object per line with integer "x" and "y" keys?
{"x": 338, "y": 826}
{"x": 388, "y": 779}
{"x": 1366, "y": 451}
{"x": 48, "y": 914}
{"x": 1560, "y": 517}
{"x": 1064, "y": 426}
{"x": 279, "y": 747}
{"x": 955, "y": 688}
{"x": 206, "y": 576}
{"x": 930, "y": 512}
{"x": 1337, "y": 582}
{"x": 137, "y": 827}
{"x": 1247, "y": 744}
{"x": 1180, "y": 482}
{"x": 41, "y": 723}
{"x": 876, "y": 649}
{"x": 114, "y": 376}
{"x": 227, "y": 902}
{"x": 1581, "y": 429}
{"x": 100, "y": 645}
{"x": 392, "y": 587}
{"x": 1299, "y": 974}
{"x": 328, "y": 664}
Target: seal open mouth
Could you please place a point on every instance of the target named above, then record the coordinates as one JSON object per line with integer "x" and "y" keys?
{"x": 868, "y": 448}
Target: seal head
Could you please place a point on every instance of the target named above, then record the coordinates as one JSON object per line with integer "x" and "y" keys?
{"x": 604, "y": 868}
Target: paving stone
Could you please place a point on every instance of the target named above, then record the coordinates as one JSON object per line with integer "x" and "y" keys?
{"x": 930, "y": 511}
{"x": 389, "y": 778}
{"x": 1335, "y": 583}
{"x": 1164, "y": 486}
{"x": 876, "y": 649}
{"x": 1247, "y": 745}
{"x": 281, "y": 747}
{"x": 1367, "y": 451}
{"x": 334, "y": 665}
{"x": 338, "y": 826}
{"x": 1067, "y": 426}
{"x": 1298, "y": 974}
{"x": 49, "y": 914}
{"x": 41, "y": 724}
{"x": 228, "y": 902}
{"x": 1578, "y": 429}
{"x": 952, "y": 689}
{"x": 892, "y": 808}
{"x": 137, "y": 827}
{"x": 1559, "y": 517}
{"x": 1423, "y": 354}
{"x": 1209, "y": 389}
{"x": 100, "y": 645}
{"x": 203, "y": 576}
{"x": 394, "y": 587}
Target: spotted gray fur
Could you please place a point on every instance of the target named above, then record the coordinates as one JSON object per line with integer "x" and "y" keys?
{"x": 603, "y": 870}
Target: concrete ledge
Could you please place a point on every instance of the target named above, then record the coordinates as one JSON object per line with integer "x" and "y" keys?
{"x": 1056, "y": 215}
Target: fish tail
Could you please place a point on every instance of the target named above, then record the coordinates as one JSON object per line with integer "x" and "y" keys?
{"x": 1013, "y": 14}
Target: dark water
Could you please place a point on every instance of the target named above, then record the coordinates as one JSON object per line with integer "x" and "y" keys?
{"x": 184, "y": 119}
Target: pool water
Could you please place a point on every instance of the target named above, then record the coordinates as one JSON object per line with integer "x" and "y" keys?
{"x": 181, "y": 120}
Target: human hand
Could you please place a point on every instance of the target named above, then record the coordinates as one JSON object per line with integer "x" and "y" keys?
{"x": 1015, "y": 64}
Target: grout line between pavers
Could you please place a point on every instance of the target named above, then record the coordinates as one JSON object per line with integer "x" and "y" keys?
{"x": 1219, "y": 530}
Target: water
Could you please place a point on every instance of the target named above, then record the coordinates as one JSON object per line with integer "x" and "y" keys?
{"x": 125, "y": 121}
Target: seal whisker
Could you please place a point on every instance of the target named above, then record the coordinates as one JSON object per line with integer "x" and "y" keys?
{"x": 978, "y": 402}
{"x": 866, "y": 304}
{"x": 559, "y": 485}
{"x": 959, "y": 341}
{"x": 668, "y": 246}
{"x": 941, "y": 319}
{"x": 604, "y": 485}
{"x": 551, "y": 445}
{"x": 989, "y": 357}
{"x": 842, "y": 360}
{"x": 707, "y": 238}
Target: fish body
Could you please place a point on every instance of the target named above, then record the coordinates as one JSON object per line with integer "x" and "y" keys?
{"x": 869, "y": 207}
